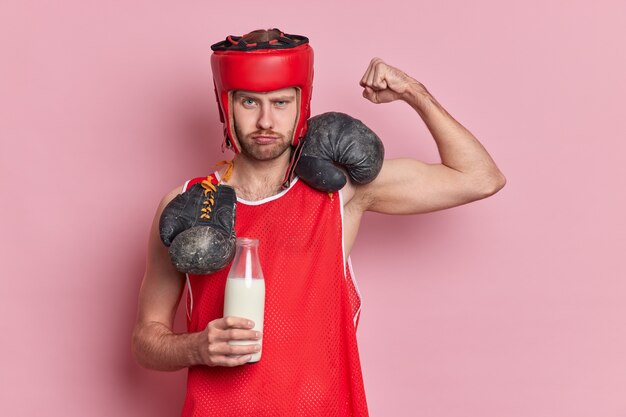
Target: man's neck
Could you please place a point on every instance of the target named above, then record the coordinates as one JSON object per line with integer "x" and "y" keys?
{"x": 255, "y": 180}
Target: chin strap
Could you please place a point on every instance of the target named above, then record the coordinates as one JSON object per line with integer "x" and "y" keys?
{"x": 295, "y": 156}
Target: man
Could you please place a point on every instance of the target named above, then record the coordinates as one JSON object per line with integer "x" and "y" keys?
{"x": 310, "y": 363}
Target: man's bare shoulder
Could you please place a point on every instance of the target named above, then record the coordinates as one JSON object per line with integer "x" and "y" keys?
{"x": 169, "y": 197}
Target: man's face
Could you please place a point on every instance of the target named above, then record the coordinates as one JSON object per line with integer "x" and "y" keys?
{"x": 264, "y": 122}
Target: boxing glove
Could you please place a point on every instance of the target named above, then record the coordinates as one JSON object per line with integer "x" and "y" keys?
{"x": 199, "y": 228}
{"x": 338, "y": 139}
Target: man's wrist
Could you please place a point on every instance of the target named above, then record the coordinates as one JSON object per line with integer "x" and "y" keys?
{"x": 418, "y": 97}
{"x": 194, "y": 343}
{"x": 416, "y": 94}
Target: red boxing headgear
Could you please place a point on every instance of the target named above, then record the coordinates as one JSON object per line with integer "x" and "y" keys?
{"x": 262, "y": 67}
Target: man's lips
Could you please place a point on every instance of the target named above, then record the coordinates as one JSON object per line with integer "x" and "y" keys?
{"x": 265, "y": 139}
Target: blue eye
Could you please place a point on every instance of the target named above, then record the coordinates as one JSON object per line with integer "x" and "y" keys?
{"x": 248, "y": 102}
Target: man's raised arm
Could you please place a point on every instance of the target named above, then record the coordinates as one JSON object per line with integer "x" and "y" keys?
{"x": 406, "y": 186}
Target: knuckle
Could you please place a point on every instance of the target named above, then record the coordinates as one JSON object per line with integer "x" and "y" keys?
{"x": 212, "y": 336}
{"x": 217, "y": 361}
{"x": 231, "y": 362}
{"x": 216, "y": 336}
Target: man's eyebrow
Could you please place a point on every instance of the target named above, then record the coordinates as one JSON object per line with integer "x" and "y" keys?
{"x": 242, "y": 94}
{"x": 284, "y": 98}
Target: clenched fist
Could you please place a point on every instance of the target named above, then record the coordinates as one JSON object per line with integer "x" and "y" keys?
{"x": 383, "y": 83}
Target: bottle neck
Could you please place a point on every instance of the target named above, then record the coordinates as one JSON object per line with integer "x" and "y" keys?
{"x": 246, "y": 263}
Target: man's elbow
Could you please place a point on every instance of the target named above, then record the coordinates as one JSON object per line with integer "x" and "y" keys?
{"x": 136, "y": 347}
{"x": 495, "y": 182}
{"x": 488, "y": 184}
{"x": 141, "y": 350}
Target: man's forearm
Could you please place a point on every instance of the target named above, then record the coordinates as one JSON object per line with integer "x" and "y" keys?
{"x": 156, "y": 347}
{"x": 458, "y": 147}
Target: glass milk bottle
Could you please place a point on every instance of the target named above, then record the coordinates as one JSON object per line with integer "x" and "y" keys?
{"x": 245, "y": 289}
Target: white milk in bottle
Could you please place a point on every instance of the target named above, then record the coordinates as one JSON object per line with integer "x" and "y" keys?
{"x": 245, "y": 289}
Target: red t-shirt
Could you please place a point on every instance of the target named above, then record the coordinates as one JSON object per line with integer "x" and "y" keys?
{"x": 310, "y": 364}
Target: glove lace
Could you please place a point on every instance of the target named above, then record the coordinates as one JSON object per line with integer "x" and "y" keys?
{"x": 209, "y": 190}
{"x": 229, "y": 169}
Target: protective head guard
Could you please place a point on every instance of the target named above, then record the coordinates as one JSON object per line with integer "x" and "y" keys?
{"x": 262, "y": 67}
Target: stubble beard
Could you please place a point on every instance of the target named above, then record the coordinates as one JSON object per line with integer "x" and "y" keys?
{"x": 263, "y": 152}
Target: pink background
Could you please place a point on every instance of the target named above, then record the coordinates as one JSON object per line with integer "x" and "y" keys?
{"x": 511, "y": 306}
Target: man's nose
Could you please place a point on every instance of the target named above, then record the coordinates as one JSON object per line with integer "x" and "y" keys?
{"x": 266, "y": 119}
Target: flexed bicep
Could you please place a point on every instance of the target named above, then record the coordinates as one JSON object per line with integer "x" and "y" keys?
{"x": 408, "y": 186}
